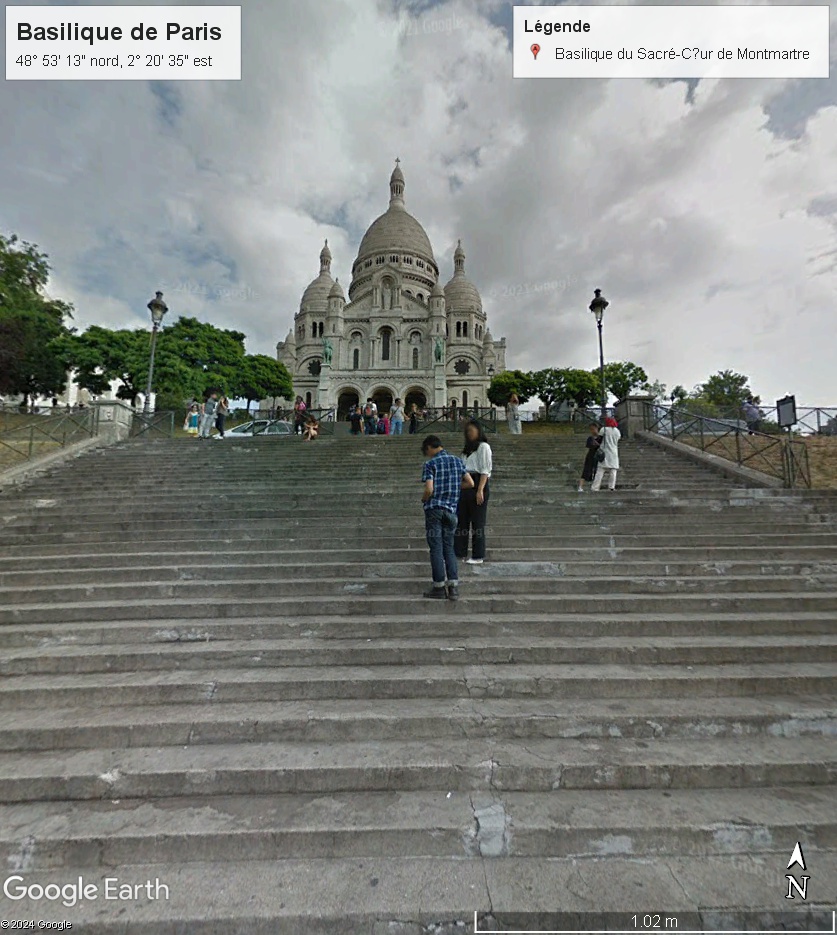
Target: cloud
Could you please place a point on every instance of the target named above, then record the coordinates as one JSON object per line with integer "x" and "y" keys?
{"x": 705, "y": 212}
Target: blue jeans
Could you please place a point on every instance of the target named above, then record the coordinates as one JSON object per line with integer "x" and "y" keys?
{"x": 396, "y": 427}
{"x": 440, "y": 526}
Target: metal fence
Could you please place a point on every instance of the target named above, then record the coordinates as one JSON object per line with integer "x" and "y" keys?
{"x": 24, "y": 437}
{"x": 153, "y": 423}
{"x": 779, "y": 456}
{"x": 447, "y": 418}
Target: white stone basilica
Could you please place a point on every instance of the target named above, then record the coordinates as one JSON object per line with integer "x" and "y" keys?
{"x": 400, "y": 334}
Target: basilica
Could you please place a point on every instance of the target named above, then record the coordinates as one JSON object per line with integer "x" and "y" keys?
{"x": 400, "y": 334}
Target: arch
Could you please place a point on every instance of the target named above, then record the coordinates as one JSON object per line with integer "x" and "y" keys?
{"x": 464, "y": 399}
{"x": 383, "y": 397}
{"x": 347, "y": 399}
{"x": 415, "y": 394}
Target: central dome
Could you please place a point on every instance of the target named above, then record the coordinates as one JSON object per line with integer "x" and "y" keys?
{"x": 396, "y": 229}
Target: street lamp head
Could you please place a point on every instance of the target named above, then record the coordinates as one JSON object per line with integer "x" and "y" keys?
{"x": 158, "y": 308}
{"x": 599, "y": 304}
{"x": 490, "y": 370}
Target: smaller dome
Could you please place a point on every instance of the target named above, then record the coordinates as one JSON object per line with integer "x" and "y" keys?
{"x": 457, "y": 252}
{"x": 487, "y": 337}
{"x": 437, "y": 290}
{"x": 325, "y": 253}
{"x": 337, "y": 291}
{"x": 317, "y": 291}
{"x": 461, "y": 294}
{"x": 397, "y": 174}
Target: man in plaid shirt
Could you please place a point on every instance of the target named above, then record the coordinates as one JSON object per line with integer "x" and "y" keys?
{"x": 444, "y": 477}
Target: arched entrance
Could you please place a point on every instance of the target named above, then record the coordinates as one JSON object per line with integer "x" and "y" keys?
{"x": 346, "y": 401}
{"x": 417, "y": 396}
{"x": 383, "y": 399}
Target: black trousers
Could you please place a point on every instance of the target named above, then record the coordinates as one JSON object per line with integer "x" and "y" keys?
{"x": 472, "y": 520}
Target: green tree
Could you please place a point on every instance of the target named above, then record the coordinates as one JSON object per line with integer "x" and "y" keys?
{"x": 30, "y": 323}
{"x": 550, "y": 385}
{"x": 657, "y": 389}
{"x": 583, "y": 387}
{"x": 261, "y": 377}
{"x": 623, "y": 377}
{"x": 510, "y": 381}
{"x": 726, "y": 390}
{"x": 678, "y": 395}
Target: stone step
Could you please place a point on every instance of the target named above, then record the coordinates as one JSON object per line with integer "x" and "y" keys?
{"x": 446, "y": 625}
{"x": 385, "y": 895}
{"x": 473, "y": 602}
{"x": 308, "y": 539}
{"x": 489, "y": 579}
{"x": 390, "y": 719}
{"x": 450, "y": 680}
{"x": 426, "y": 765}
{"x": 634, "y": 823}
{"x": 121, "y": 656}
{"x": 156, "y": 567}
{"x": 716, "y": 558}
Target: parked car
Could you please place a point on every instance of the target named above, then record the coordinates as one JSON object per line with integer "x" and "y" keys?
{"x": 259, "y": 427}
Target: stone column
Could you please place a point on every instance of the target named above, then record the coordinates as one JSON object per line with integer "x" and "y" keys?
{"x": 324, "y": 388}
{"x": 630, "y": 414}
{"x": 115, "y": 419}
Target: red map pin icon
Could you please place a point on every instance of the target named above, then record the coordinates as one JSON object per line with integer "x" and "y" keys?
{"x": 534, "y": 49}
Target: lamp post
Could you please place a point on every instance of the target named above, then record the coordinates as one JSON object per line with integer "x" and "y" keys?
{"x": 158, "y": 308}
{"x": 597, "y": 307}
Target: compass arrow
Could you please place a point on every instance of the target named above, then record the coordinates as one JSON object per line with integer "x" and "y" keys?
{"x": 796, "y": 857}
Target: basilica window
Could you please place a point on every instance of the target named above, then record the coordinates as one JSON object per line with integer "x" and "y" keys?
{"x": 464, "y": 329}
{"x": 462, "y": 367}
{"x": 321, "y": 329}
{"x": 379, "y": 260}
{"x": 420, "y": 297}
{"x": 313, "y": 329}
{"x": 386, "y": 343}
{"x": 393, "y": 259}
{"x": 314, "y": 368}
{"x": 367, "y": 264}
{"x": 356, "y": 359}
{"x": 308, "y": 400}
{"x": 459, "y": 329}
{"x": 420, "y": 264}
{"x": 415, "y": 358}
{"x": 464, "y": 399}
{"x": 408, "y": 260}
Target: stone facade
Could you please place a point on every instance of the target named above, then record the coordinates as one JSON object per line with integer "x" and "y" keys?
{"x": 400, "y": 334}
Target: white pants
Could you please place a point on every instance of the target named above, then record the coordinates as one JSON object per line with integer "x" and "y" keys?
{"x": 207, "y": 421}
{"x": 597, "y": 480}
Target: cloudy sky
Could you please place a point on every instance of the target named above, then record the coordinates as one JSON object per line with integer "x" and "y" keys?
{"x": 707, "y": 213}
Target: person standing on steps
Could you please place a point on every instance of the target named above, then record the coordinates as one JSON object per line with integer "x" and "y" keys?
{"x": 610, "y": 435}
{"x": 414, "y": 417}
{"x": 370, "y": 423}
{"x": 221, "y": 415}
{"x": 356, "y": 421}
{"x": 299, "y": 415}
{"x": 591, "y": 461}
{"x": 473, "y": 503}
{"x": 444, "y": 477}
{"x": 193, "y": 418}
{"x": 513, "y": 412}
{"x": 396, "y": 418}
{"x": 208, "y": 411}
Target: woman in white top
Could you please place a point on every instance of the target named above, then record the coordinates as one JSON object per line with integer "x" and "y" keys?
{"x": 610, "y": 436}
{"x": 473, "y": 503}
{"x": 513, "y": 412}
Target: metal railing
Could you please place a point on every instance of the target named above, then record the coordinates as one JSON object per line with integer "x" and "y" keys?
{"x": 153, "y": 423}
{"x": 779, "y": 456}
{"x": 454, "y": 418}
{"x": 25, "y": 437}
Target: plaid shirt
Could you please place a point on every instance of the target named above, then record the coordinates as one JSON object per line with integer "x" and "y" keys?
{"x": 446, "y": 472}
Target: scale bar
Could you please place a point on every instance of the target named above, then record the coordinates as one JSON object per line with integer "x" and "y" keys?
{"x": 634, "y": 931}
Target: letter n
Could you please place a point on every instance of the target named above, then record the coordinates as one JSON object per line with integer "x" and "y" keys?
{"x": 793, "y": 884}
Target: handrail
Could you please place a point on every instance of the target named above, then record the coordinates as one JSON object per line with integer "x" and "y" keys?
{"x": 779, "y": 456}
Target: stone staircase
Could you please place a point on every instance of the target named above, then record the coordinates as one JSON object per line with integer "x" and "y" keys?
{"x": 218, "y": 673}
